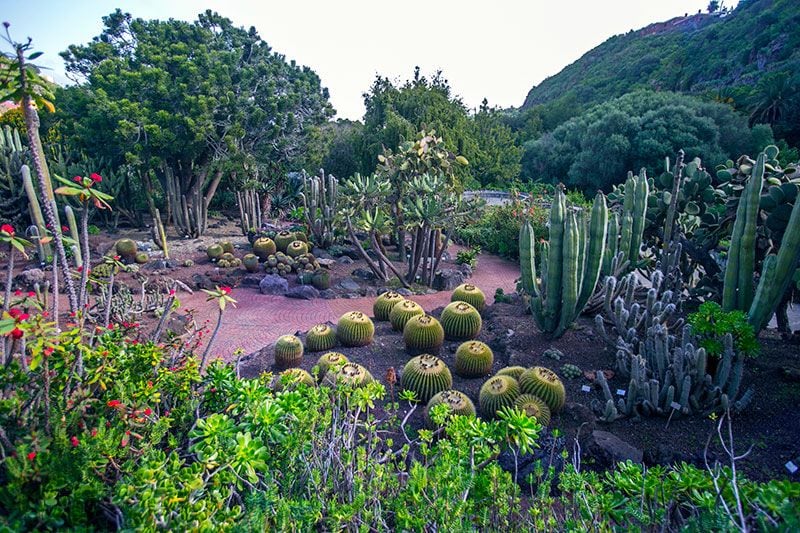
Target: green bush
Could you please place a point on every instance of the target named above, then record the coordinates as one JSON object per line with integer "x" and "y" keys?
{"x": 496, "y": 230}
{"x": 469, "y": 256}
{"x": 710, "y": 324}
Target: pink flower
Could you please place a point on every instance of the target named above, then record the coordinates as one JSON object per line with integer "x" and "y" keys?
{"x": 77, "y": 179}
{"x": 16, "y": 333}
{"x": 31, "y": 294}
{"x": 225, "y": 290}
{"x": 74, "y": 441}
{"x": 96, "y": 177}
{"x": 94, "y": 432}
{"x": 64, "y": 229}
{"x": 172, "y": 292}
{"x": 148, "y": 412}
{"x": 17, "y": 292}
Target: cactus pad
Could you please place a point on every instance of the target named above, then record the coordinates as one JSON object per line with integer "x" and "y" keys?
{"x": 534, "y": 407}
{"x": 545, "y": 384}
{"x": 288, "y": 351}
{"x": 471, "y": 294}
{"x": 461, "y": 321}
{"x": 402, "y": 312}
{"x": 473, "y": 359}
{"x": 384, "y": 303}
{"x": 320, "y": 338}
{"x": 355, "y": 329}
{"x": 426, "y": 375}
{"x": 496, "y": 393}
{"x": 423, "y": 334}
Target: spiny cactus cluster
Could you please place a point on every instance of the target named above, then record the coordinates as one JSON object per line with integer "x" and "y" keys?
{"x": 423, "y": 334}
{"x": 288, "y": 351}
{"x": 384, "y": 303}
{"x": 461, "y": 321}
{"x": 471, "y": 294}
{"x": 426, "y": 375}
{"x": 473, "y": 359}
{"x": 320, "y": 338}
{"x": 571, "y": 371}
{"x": 355, "y": 329}
{"x": 570, "y": 263}
{"x": 320, "y": 195}
{"x": 534, "y": 407}
{"x": 330, "y": 360}
{"x": 402, "y": 312}
{"x": 283, "y": 265}
{"x": 228, "y": 260}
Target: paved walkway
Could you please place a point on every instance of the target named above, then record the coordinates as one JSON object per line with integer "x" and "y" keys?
{"x": 258, "y": 320}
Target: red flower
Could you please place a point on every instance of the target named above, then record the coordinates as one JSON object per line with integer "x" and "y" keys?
{"x": 148, "y": 412}
{"x": 113, "y": 403}
{"x": 96, "y": 177}
{"x": 116, "y": 258}
{"x": 31, "y": 456}
{"x": 172, "y": 292}
{"x": 31, "y": 294}
{"x": 225, "y": 290}
{"x": 79, "y": 269}
{"x": 94, "y": 432}
{"x": 64, "y": 229}
{"x": 77, "y": 179}
{"x": 17, "y": 292}
{"x": 16, "y": 333}
{"x": 75, "y": 442}
{"x": 7, "y": 228}
{"x": 48, "y": 351}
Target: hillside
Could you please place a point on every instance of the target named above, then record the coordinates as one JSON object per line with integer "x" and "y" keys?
{"x": 694, "y": 54}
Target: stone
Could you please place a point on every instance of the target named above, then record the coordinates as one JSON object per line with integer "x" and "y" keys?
{"x": 202, "y": 281}
{"x": 327, "y": 294}
{"x": 158, "y": 264}
{"x": 466, "y": 270}
{"x": 303, "y": 292}
{"x": 31, "y": 277}
{"x": 447, "y": 280}
{"x": 403, "y": 291}
{"x": 325, "y": 263}
{"x": 370, "y": 291}
{"x": 365, "y": 274}
{"x": 144, "y": 246}
{"x": 338, "y": 250}
{"x": 274, "y": 285}
{"x": 250, "y": 280}
{"x": 344, "y": 260}
{"x": 320, "y": 253}
{"x": 608, "y": 449}
{"x": 350, "y": 285}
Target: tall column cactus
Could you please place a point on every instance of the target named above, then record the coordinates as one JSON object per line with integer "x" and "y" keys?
{"x": 737, "y": 292}
{"x": 634, "y": 209}
{"x": 570, "y": 263}
{"x": 319, "y": 204}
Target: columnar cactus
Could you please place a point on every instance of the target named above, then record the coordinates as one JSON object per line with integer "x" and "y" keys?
{"x": 570, "y": 262}
{"x": 319, "y": 203}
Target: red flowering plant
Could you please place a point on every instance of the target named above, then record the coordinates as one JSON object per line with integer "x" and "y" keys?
{"x": 83, "y": 188}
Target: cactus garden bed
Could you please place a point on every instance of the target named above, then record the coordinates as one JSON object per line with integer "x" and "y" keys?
{"x": 768, "y": 425}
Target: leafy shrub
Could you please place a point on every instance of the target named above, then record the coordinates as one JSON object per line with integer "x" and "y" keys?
{"x": 469, "y": 256}
{"x": 496, "y": 230}
{"x": 710, "y": 324}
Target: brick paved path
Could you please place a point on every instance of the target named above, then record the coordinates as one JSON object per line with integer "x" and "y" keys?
{"x": 258, "y": 320}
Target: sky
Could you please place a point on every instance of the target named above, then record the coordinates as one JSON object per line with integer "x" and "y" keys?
{"x": 494, "y": 49}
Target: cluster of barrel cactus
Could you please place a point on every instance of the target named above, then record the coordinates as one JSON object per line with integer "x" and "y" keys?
{"x": 537, "y": 391}
{"x": 570, "y": 262}
{"x": 285, "y": 265}
{"x": 384, "y": 303}
{"x": 404, "y": 311}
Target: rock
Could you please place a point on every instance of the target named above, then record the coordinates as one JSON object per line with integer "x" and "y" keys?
{"x": 327, "y": 294}
{"x": 325, "y": 263}
{"x": 31, "y": 277}
{"x": 272, "y": 284}
{"x": 144, "y": 246}
{"x": 303, "y": 292}
{"x": 403, "y": 291}
{"x": 202, "y": 281}
{"x": 466, "y": 270}
{"x": 370, "y": 291}
{"x": 344, "y": 260}
{"x": 250, "y": 280}
{"x": 344, "y": 251}
{"x": 608, "y": 449}
{"x": 350, "y": 285}
{"x": 158, "y": 264}
{"x": 365, "y": 274}
{"x": 447, "y": 280}
{"x": 320, "y": 253}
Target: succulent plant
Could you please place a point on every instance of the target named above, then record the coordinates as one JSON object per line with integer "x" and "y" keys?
{"x": 141, "y": 258}
{"x": 402, "y": 312}
{"x": 301, "y": 236}
{"x": 355, "y": 329}
{"x": 227, "y": 246}
{"x": 496, "y": 393}
{"x": 534, "y": 407}
{"x": 321, "y": 279}
{"x": 471, "y": 294}
{"x": 288, "y": 351}
{"x": 423, "y": 334}
{"x": 426, "y": 375}
{"x": 513, "y": 371}
{"x": 553, "y": 353}
{"x": 571, "y": 371}
{"x": 330, "y": 360}
{"x": 348, "y": 374}
{"x": 251, "y": 262}
{"x": 296, "y": 249}
{"x": 460, "y": 321}
{"x": 214, "y": 251}
{"x": 264, "y": 247}
{"x": 283, "y": 239}
{"x": 458, "y": 402}
{"x": 384, "y": 303}
{"x": 545, "y": 384}
{"x": 320, "y": 338}
{"x": 291, "y": 377}
{"x": 126, "y": 249}
{"x": 473, "y": 359}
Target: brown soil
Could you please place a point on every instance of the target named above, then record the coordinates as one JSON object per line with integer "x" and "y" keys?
{"x": 769, "y": 425}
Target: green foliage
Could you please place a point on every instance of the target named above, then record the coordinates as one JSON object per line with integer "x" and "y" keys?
{"x": 468, "y": 256}
{"x": 710, "y": 324}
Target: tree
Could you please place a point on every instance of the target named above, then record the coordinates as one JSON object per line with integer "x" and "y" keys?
{"x": 496, "y": 158}
{"x": 190, "y": 102}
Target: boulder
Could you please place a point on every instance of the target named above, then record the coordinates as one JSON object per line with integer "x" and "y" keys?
{"x": 447, "y": 280}
{"x": 465, "y": 269}
{"x": 250, "y": 280}
{"x": 272, "y": 284}
{"x": 325, "y": 263}
{"x": 344, "y": 260}
{"x": 30, "y": 277}
{"x": 608, "y": 449}
{"x": 350, "y": 285}
{"x": 303, "y": 292}
{"x": 327, "y": 294}
{"x": 364, "y": 273}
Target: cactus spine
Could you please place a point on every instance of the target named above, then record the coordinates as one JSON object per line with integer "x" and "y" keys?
{"x": 319, "y": 203}
{"x": 571, "y": 262}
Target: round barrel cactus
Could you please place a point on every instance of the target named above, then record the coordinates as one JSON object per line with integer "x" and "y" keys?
{"x": 513, "y": 371}
{"x": 296, "y": 249}
{"x": 423, "y": 334}
{"x": 473, "y": 359}
{"x": 384, "y": 303}
{"x": 458, "y": 403}
{"x": 291, "y": 377}
{"x": 471, "y": 294}
{"x": 355, "y": 329}
{"x": 251, "y": 263}
{"x": 227, "y": 246}
{"x": 496, "y": 393}
{"x": 330, "y": 360}
{"x": 141, "y": 258}
{"x": 545, "y": 384}
{"x": 351, "y": 374}
{"x": 214, "y": 251}
{"x": 283, "y": 239}
{"x": 534, "y": 407}
{"x": 426, "y": 375}
{"x": 126, "y": 249}
{"x": 460, "y": 321}
{"x": 288, "y": 351}
{"x": 320, "y": 338}
{"x": 402, "y": 313}
{"x": 321, "y": 279}
{"x": 264, "y": 247}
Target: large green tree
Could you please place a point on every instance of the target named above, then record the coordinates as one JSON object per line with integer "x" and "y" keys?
{"x": 197, "y": 100}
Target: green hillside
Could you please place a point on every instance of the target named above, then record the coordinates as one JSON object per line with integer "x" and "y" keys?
{"x": 696, "y": 54}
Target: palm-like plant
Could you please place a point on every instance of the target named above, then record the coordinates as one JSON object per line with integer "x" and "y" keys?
{"x": 772, "y": 98}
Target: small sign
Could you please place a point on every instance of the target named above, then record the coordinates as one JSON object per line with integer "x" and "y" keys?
{"x": 620, "y": 392}
{"x": 675, "y": 405}
{"x": 586, "y": 388}
{"x": 791, "y": 467}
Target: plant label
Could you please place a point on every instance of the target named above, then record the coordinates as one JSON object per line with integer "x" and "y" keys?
{"x": 586, "y": 388}
{"x": 676, "y": 406}
{"x": 620, "y": 392}
{"x": 791, "y": 467}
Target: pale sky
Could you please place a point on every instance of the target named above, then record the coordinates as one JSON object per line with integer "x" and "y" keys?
{"x": 496, "y": 49}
